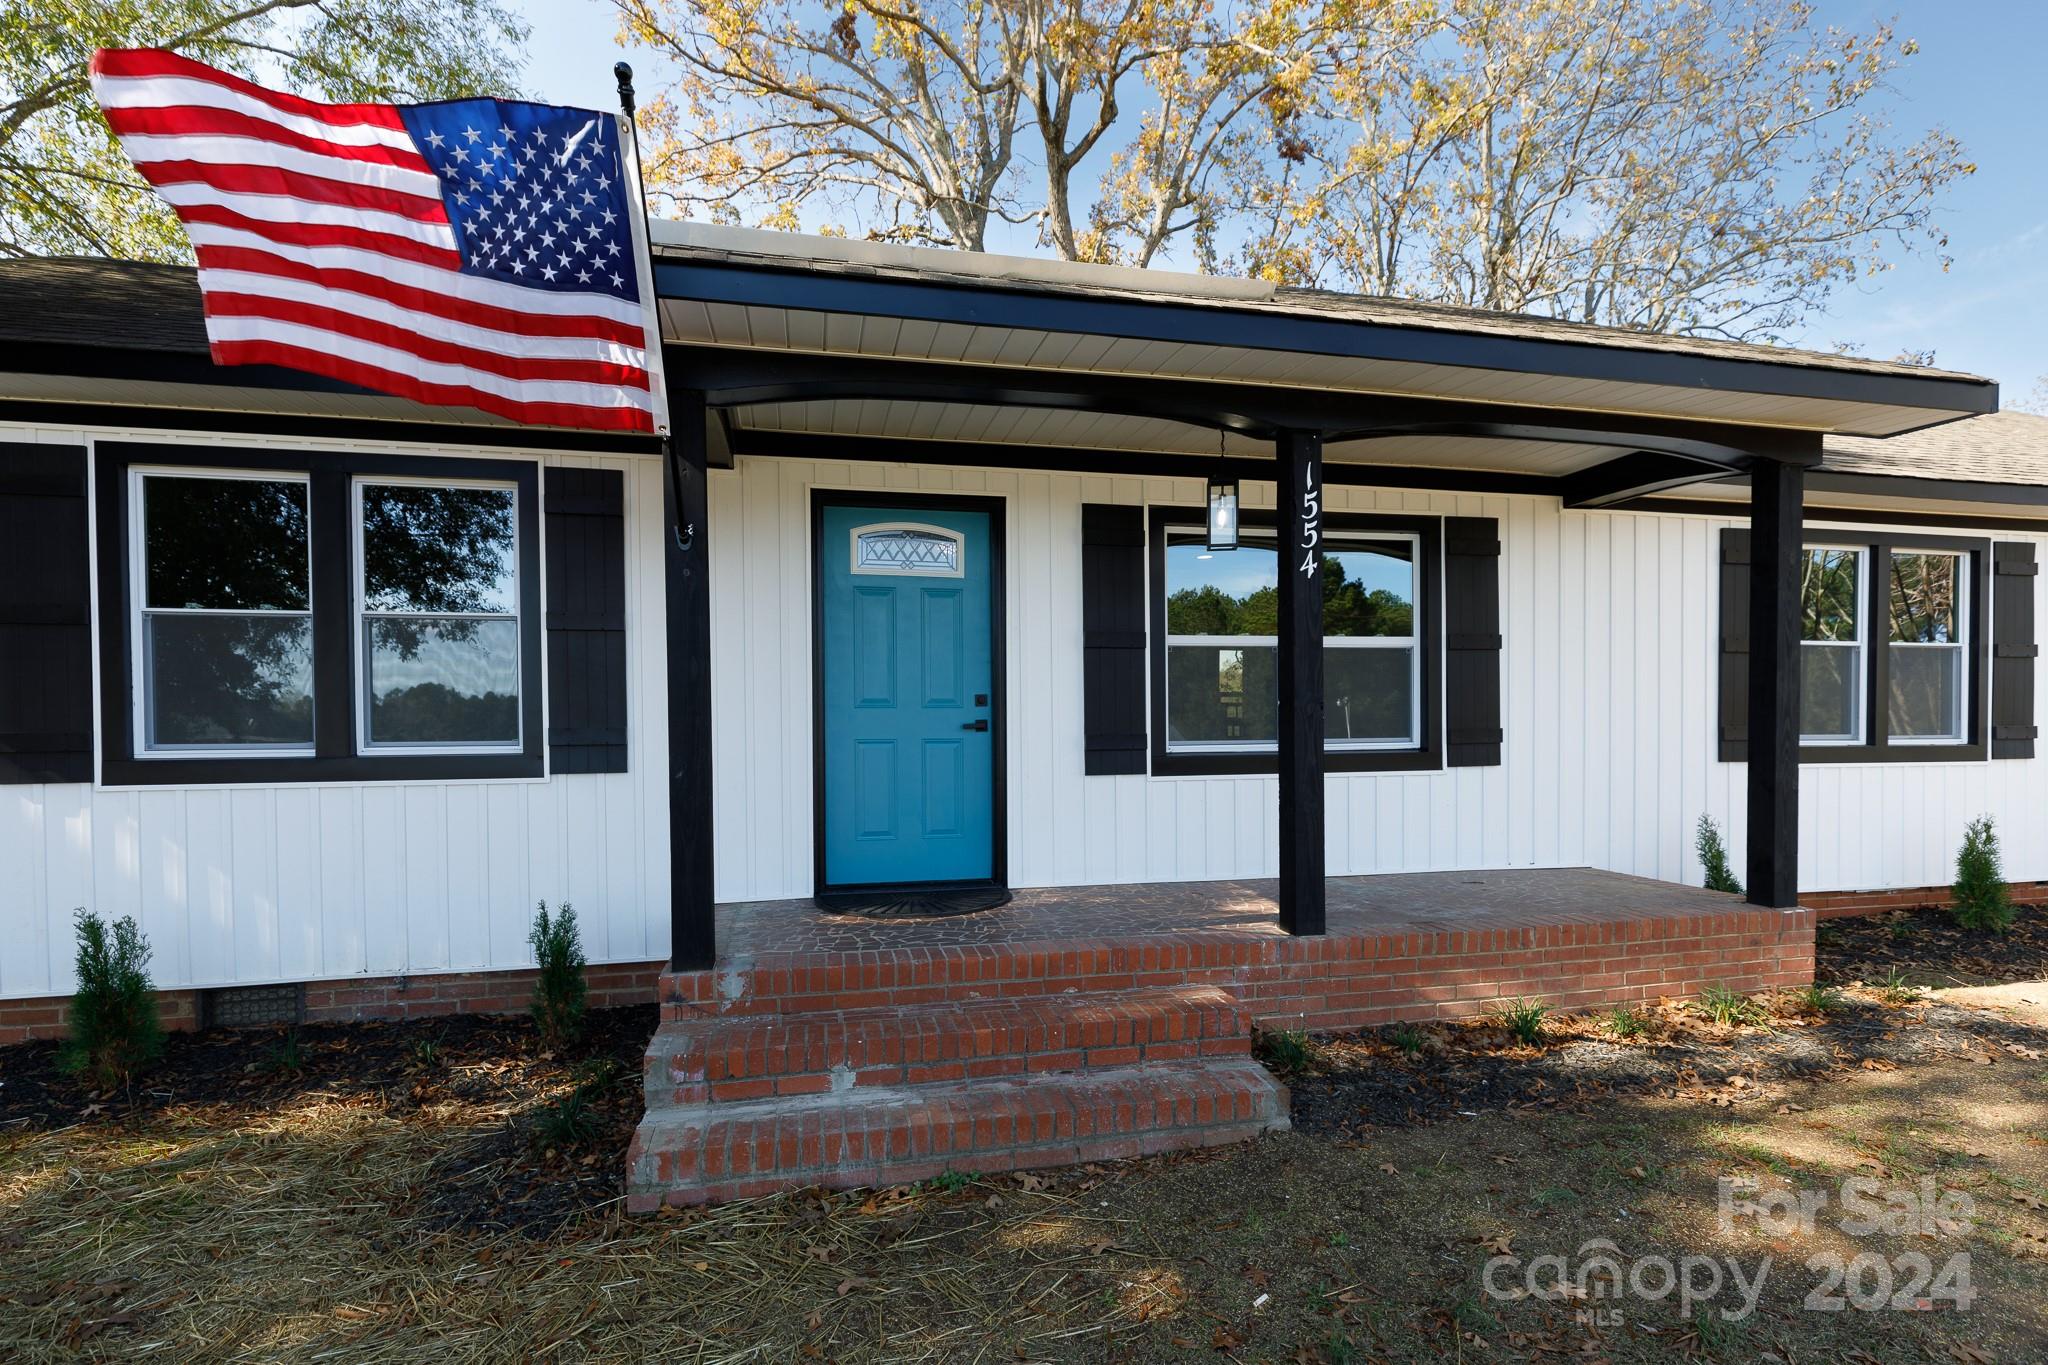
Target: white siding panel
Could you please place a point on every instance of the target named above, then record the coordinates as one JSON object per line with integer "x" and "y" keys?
{"x": 344, "y": 947}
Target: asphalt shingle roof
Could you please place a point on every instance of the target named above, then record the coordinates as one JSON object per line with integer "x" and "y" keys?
{"x": 136, "y": 305}
{"x": 1998, "y": 447}
{"x": 92, "y": 301}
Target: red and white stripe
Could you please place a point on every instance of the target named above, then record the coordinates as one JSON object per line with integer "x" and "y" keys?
{"x": 323, "y": 245}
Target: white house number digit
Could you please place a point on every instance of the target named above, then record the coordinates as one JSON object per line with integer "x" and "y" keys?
{"x": 1311, "y": 525}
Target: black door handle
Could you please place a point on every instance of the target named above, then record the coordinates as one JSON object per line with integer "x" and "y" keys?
{"x": 974, "y": 725}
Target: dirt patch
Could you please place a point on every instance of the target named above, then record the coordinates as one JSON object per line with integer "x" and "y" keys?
{"x": 1407, "y": 1075}
{"x": 1927, "y": 947}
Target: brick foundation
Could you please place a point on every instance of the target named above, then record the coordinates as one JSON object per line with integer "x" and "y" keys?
{"x": 1835, "y": 904}
{"x": 367, "y": 997}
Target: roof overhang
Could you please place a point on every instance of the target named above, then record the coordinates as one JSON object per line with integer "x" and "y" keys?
{"x": 738, "y": 290}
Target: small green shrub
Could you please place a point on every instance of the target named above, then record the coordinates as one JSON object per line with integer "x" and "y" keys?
{"x": 566, "y": 1123}
{"x": 1896, "y": 989}
{"x": 1814, "y": 998}
{"x": 559, "y": 994}
{"x": 1729, "y": 1008}
{"x": 1982, "y": 899}
{"x": 1624, "y": 1022}
{"x": 1285, "y": 1052}
{"x": 1408, "y": 1038}
{"x": 115, "y": 1031}
{"x": 949, "y": 1182}
{"x": 287, "y": 1056}
{"x": 1523, "y": 1019}
{"x": 423, "y": 1054}
{"x": 1713, "y": 854}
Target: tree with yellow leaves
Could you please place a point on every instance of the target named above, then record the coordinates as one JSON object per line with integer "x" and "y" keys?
{"x": 1696, "y": 166}
{"x": 931, "y": 121}
{"x": 1700, "y": 166}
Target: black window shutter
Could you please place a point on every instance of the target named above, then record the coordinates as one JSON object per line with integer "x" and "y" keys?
{"x": 1734, "y": 652}
{"x": 45, "y": 616}
{"x": 2014, "y": 647}
{"x": 1472, "y": 728}
{"x": 1113, "y": 637}
{"x": 586, "y": 621}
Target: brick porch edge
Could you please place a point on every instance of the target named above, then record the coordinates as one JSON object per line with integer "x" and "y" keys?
{"x": 1345, "y": 980}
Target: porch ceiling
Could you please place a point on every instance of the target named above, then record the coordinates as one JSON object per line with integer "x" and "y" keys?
{"x": 998, "y": 427}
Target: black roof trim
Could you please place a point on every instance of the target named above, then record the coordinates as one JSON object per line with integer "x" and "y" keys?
{"x": 312, "y": 426}
{"x": 1002, "y": 304}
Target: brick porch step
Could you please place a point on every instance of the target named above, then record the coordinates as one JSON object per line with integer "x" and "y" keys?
{"x": 880, "y": 1135}
{"x": 790, "y": 983}
{"x": 752, "y": 1056}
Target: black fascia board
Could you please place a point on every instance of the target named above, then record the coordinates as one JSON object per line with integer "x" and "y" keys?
{"x": 738, "y": 378}
{"x": 997, "y": 304}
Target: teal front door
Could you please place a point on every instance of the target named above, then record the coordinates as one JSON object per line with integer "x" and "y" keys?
{"x": 907, "y": 671}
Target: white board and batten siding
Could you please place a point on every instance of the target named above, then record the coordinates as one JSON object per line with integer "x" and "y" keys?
{"x": 249, "y": 884}
{"x": 1609, "y": 631}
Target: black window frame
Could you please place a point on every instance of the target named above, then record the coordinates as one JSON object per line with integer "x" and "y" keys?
{"x": 1428, "y": 753}
{"x": 1878, "y": 746}
{"x": 338, "y": 755}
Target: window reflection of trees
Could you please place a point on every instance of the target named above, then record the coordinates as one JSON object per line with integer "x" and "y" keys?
{"x": 1231, "y": 693}
{"x": 441, "y": 561}
{"x": 234, "y": 549}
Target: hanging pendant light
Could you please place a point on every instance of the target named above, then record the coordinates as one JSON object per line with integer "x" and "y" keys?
{"x": 1222, "y": 504}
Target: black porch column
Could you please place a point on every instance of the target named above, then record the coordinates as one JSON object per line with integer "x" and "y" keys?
{"x": 687, "y": 576}
{"x": 1300, "y": 458}
{"x": 1776, "y": 495}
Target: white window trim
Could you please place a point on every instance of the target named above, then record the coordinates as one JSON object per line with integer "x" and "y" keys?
{"x": 360, "y": 615}
{"x": 1861, "y": 735}
{"x": 1960, "y": 647}
{"x": 139, "y": 611}
{"x": 1335, "y": 540}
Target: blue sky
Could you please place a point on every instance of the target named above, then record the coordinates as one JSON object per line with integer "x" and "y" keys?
{"x": 1978, "y": 74}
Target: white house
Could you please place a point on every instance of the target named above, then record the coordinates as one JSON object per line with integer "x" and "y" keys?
{"x": 328, "y": 688}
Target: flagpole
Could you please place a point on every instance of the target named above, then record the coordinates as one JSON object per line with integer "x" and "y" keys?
{"x": 622, "y": 72}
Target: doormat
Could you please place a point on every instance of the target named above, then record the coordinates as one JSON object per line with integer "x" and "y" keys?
{"x": 914, "y": 904}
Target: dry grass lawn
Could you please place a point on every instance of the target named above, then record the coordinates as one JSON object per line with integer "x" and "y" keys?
{"x": 299, "y": 1233}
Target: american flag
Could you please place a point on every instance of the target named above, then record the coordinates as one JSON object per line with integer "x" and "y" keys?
{"x": 481, "y": 253}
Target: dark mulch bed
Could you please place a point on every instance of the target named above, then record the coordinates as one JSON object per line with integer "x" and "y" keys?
{"x": 485, "y": 1073}
{"x": 1364, "y": 1080}
{"x": 1928, "y": 948}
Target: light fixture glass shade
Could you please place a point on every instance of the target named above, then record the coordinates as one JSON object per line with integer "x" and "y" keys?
{"x": 1222, "y": 513}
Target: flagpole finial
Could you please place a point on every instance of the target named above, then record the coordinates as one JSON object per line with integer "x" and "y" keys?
{"x": 624, "y": 72}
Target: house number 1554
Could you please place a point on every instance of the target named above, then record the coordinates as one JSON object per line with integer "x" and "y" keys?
{"x": 1311, "y": 522}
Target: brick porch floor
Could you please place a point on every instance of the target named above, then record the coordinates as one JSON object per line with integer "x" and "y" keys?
{"x": 1420, "y": 902}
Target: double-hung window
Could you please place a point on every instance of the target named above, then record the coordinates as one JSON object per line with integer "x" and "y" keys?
{"x": 1217, "y": 676}
{"x": 222, "y": 581}
{"x": 1890, "y": 639}
{"x": 317, "y": 616}
{"x": 1927, "y": 612}
{"x": 439, "y": 606}
{"x": 1831, "y": 648}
